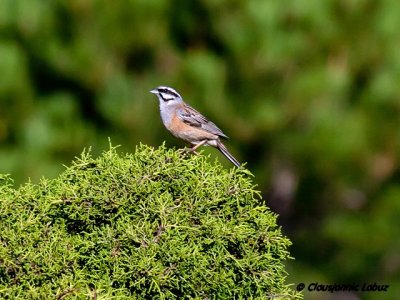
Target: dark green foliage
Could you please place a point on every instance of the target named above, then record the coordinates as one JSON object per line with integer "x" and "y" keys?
{"x": 155, "y": 224}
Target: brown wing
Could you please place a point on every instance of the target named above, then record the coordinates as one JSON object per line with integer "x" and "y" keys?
{"x": 193, "y": 118}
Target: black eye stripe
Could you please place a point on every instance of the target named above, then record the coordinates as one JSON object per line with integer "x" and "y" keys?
{"x": 162, "y": 96}
{"x": 167, "y": 91}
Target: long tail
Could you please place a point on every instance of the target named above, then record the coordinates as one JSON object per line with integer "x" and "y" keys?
{"x": 221, "y": 147}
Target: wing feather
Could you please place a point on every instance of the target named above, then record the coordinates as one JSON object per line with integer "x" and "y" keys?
{"x": 193, "y": 118}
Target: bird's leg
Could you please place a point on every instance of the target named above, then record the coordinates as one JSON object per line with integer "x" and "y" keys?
{"x": 193, "y": 149}
{"x": 185, "y": 150}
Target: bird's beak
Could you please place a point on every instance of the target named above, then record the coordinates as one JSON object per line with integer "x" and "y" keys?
{"x": 154, "y": 91}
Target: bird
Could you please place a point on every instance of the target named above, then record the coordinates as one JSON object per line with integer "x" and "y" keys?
{"x": 188, "y": 124}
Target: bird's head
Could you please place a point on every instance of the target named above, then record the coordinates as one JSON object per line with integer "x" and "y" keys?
{"x": 166, "y": 94}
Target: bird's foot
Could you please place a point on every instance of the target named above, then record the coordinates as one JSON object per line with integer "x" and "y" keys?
{"x": 187, "y": 150}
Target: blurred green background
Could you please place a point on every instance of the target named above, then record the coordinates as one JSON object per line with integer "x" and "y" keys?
{"x": 308, "y": 91}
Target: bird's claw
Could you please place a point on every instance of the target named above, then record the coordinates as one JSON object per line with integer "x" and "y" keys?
{"x": 187, "y": 150}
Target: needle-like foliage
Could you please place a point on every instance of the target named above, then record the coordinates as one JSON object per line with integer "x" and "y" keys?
{"x": 156, "y": 224}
